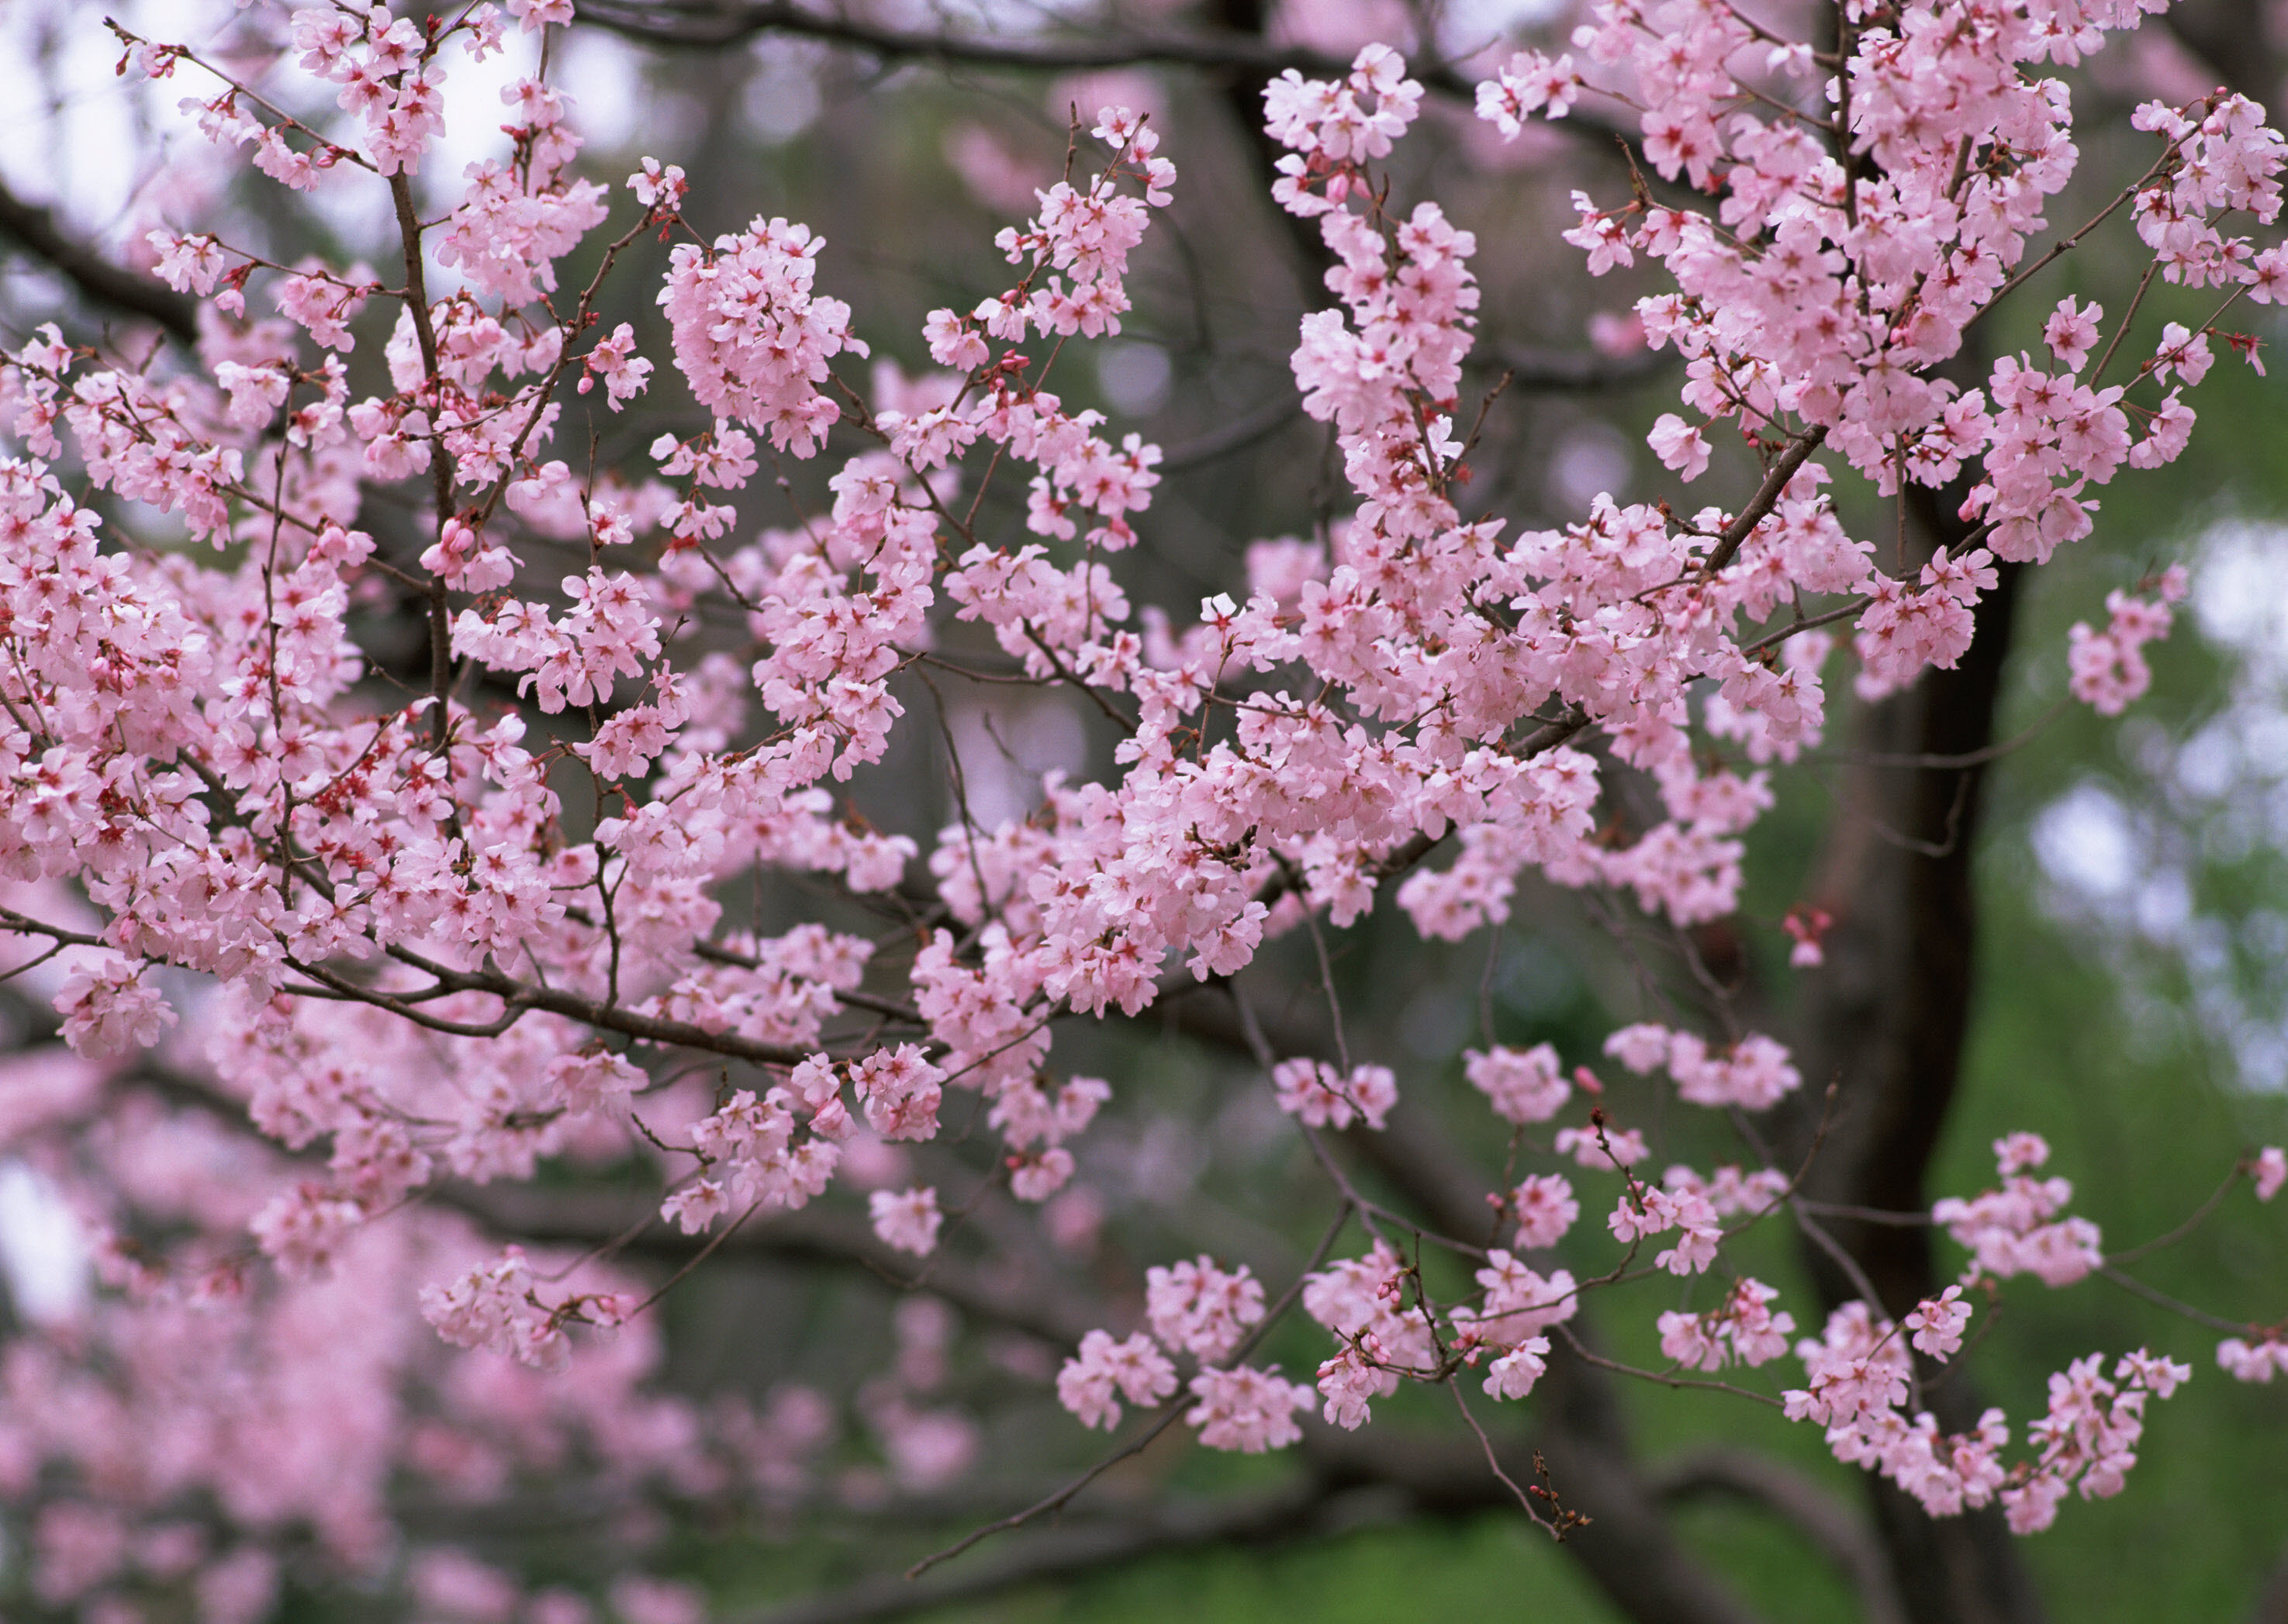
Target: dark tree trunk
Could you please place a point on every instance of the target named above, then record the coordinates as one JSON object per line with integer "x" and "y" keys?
{"x": 1886, "y": 1020}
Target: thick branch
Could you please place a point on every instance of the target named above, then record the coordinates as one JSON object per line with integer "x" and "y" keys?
{"x": 1886, "y": 1018}
{"x": 1628, "y": 1547}
{"x": 96, "y": 277}
{"x": 815, "y": 1235}
{"x": 1767, "y": 497}
{"x": 2272, "y": 1603}
{"x": 1811, "y": 1510}
{"x": 700, "y": 24}
{"x": 1066, "y": 1552}
{"x": 1535, "y": 368}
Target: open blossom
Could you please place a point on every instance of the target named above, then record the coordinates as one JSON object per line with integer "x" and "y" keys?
{"x": 1247, "y": 1409}
{"x": 493, "y": 1306}
{"x": 1324, "y": 1098}
{"x": 1938, "y": 1324}
{"x": 2253, "y": 1361}
{"x": 1545, "y": 1209}
{"x": 537, "y": 14}
{"x": 1527, "y": 83}
{"x": 656, "y": 188}
{"x": 305, "y": 1227}
{"x": 2108, "y": 667}
{"x": 1198, "y": 1309}
{"x": 1353, "y": 1294}
{"x": 324, "y": 304}
{"x": 1351, "y": 1380}
{"x": 464, "y": 560}
{"x": 1650, "y": 1211}
{"x": 593, "y": 1083}
{"x": 751, "y": 338}
{"x": 1855, "y": 1368}
{"x": 614, "y": 360}
{"x": 191, "y": 264}
{"x": 906, "y": 1219}
{"x": 2020, "y": 1152}
{"x": 1347, "y": 121}
{"x": 1522, "y": 1085}
{"x": 1603, "y": 1149}
{"x": 1753, "y": 1074}
{"x": 1642, "y": 1047}
{"x": 2016, "y": 1229}
{"x": 2183, "y": 352}
{"x": 1515, "y": 1373}
{"x": 954, "y": 343}
{"x": 1679, "y": 445}
{"x": 2270, "y": 1171}
{"x": 2088, "y": 1439}
{"x": 1745, "y": 1328}
{"x": 1519, "y": 1302}
{"x": 2071, "y": 332}
{"x": 902, "y": 1090}
{"x": 1104, "y": 1371}
{"x": 695, "y": 1206}
{"x": 109, "y": 1009}
{"x": 1729, "y": 1190}
{"x": 1038, "y": 1174}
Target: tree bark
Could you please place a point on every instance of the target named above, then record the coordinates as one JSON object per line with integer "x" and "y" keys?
{"x": 1885, "y": 1020}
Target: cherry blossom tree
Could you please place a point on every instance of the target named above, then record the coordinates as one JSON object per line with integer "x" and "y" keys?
{"x": 460, "y": 890}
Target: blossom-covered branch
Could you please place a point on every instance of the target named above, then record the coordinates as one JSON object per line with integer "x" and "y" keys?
{"x": 439, "y": 934}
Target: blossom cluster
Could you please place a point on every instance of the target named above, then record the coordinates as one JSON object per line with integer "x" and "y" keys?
{"x": 436, "y": 939}
{"x": 1205, "y": 1311}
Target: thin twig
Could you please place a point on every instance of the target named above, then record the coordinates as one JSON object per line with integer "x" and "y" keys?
{"x": 1063, "y": 1496}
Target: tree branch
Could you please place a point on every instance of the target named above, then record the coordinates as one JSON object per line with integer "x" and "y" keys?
{"x": 1552, "y": 371}
{"x": 2272, "y": 1603}
{"x": 1295, "y": 1512}
{"x": 1628, "y": 1547}
{"x": 96, "y": 277}
{"x": 813, "y": 1235}
{"x": 1887, "y": 1017}
{"x": 702, "y": 25}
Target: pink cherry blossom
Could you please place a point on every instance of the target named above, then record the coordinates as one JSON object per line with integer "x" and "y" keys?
{"x": 1104, "y": 1371}
{"x": 906, "y": 1219}
{"x": 1246, "y": 1409}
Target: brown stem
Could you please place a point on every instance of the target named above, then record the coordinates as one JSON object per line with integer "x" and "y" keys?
{"x": 440, "y": 466}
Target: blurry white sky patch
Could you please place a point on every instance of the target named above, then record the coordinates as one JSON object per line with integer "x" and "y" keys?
{"x": 1134, "y": 376}
{"x": 2240, "y": 600}
{"x": 2085, "y": 844}
{"x": 1472, "y": 25}
{"x": 67, "y": 123}
{"x": 602, "y": 74}
{"x": 44, "y": 1252}
{"x": 1006, "y": 746}
{"x": 107, "y": 151}
{"x": 781, "y": 99}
